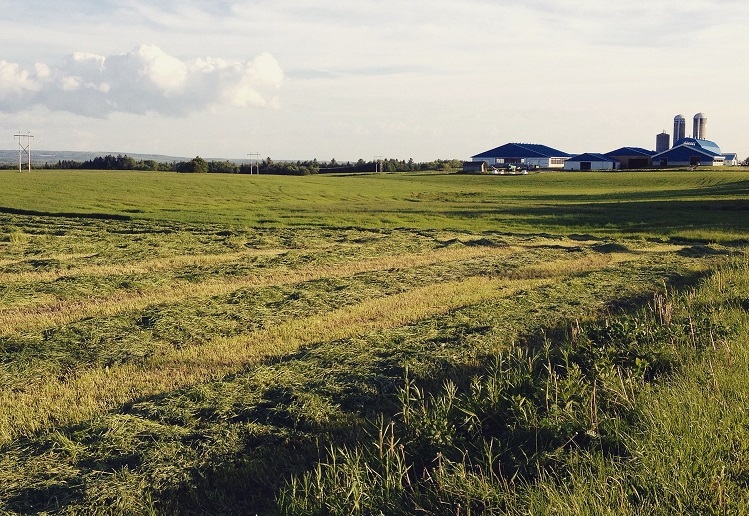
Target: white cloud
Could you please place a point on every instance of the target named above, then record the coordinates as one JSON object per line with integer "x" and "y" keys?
{"x": 70, "y": 84}
{"x": 42, "y": 70}
{"x": 15, "y": 82}
{"x": 263, "y": 71}
{"x": 167, "y": 73}
{"x": 144, "y": 80}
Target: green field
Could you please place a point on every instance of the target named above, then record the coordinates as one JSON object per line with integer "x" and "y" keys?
{"x": 410, "y": 343}
{"x": 645, "y": 203}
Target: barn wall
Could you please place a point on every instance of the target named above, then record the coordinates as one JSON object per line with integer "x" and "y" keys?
{"x": 594, "y": 165}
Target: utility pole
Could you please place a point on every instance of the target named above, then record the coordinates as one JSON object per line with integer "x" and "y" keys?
{"x": 254, "y": 161}
{"x": 24, "y": 147}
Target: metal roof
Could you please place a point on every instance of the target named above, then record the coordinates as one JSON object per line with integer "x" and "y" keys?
{"x": 705, "y": 145}
{"x": 630, "y": 151}
{"x": 686, "y": 151}
{"x": 522, "y": 150}
{"x": 592, "y": 156}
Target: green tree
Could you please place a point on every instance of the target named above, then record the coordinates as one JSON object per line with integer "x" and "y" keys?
{"x": 199, "y": 165}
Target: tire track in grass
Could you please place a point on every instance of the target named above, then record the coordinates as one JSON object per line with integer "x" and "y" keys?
{"x": 50, "y": 403}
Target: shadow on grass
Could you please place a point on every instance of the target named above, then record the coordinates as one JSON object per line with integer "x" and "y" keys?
{"x": 69, "y": 215}
{"x": 655, "y": 217}
{"x": 731, "y": 190}
{"x": 43, "y": 500}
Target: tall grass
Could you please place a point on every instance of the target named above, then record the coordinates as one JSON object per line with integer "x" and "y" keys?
{"x": 641, "y": 413}
{"x": 82, "y": 394}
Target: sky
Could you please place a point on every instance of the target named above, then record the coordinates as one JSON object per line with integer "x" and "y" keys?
{"x": 304, "y": 79}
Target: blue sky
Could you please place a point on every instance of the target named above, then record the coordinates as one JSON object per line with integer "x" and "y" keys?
{"x": 347, "y": 80}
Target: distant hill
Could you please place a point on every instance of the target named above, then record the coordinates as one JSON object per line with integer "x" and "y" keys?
{"x": 40, "y": 157}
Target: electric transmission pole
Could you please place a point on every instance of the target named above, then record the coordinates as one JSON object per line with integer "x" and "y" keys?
{"x": 255, "y": 160}
{"x": 24, "y": 147}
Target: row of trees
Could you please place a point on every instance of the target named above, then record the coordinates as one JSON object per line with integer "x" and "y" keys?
{"x": 389, "y": 165}
{"x": 266, "y": 166}
{"x": 109, "y": 162}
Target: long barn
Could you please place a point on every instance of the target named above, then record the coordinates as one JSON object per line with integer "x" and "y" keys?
{"x": 530, "y": 155}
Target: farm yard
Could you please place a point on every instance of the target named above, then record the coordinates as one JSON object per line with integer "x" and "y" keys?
{"x": 397, "y": 344}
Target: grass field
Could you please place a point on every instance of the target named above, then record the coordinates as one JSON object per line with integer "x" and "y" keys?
{"x": 214, "y": 344}
{"x": 705, "y": 205}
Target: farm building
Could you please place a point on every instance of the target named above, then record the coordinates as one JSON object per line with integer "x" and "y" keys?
{"x": 731, "y": 159}
{"x": 690, "y": 152}
{"x": 530, "y": 155}
{"x": 474, "y": 167}
{"x": 591, "y": 161}
{"x": 632, "y": 157}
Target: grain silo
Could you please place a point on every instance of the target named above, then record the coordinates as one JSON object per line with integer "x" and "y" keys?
{"x": 700, "y": 127}
{"x": 680, "y": 128}
{"x": 662, "y": 142}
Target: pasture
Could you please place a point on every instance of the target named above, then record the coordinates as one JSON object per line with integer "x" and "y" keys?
{"x": 221, "y": 344}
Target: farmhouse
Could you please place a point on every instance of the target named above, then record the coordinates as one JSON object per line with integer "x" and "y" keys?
{"x": 632, "y": 157}
{"x": 530, "y": 155}
{"x": 591, "y": 161}
{"x": 690, "y": 152}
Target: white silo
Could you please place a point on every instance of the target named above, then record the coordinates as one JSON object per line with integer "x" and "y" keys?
{"x": 699, "y": 129}
{"x": 680, "y": 128}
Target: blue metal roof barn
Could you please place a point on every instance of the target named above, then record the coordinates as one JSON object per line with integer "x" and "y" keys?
{"x": 532, "y": 155}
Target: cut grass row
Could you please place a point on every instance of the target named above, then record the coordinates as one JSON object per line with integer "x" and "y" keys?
{"x": 91, "y": 392}
{"x": 32, "y": 316}
{"x": 164, "y": 264}
{"x": 81, "y": 395}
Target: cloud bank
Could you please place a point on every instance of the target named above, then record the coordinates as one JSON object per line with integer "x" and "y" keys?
{"x": 144, "y": 80}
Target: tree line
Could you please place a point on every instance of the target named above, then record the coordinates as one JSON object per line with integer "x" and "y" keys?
{"x": 265, "y": 166}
